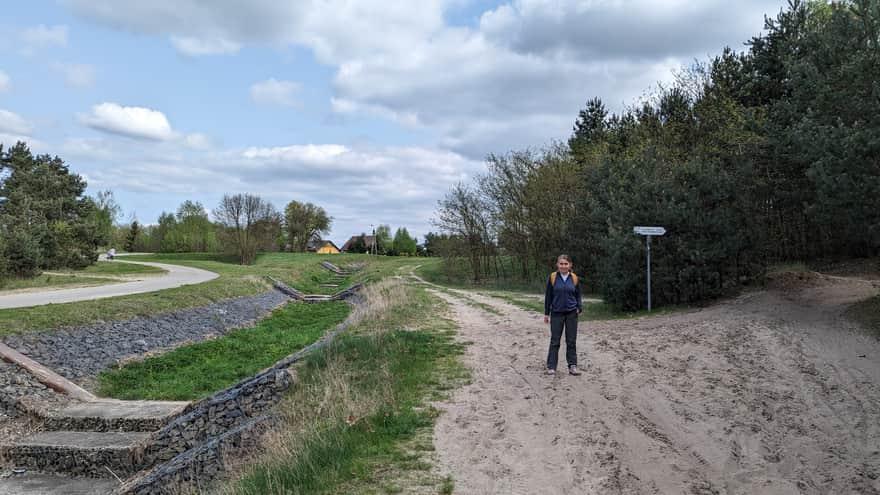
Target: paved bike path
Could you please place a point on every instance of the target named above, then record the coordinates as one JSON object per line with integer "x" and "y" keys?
{"x": 177, "y": 276}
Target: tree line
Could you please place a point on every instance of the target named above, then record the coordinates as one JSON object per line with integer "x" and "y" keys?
{"x": 243, "y": 225}
{"x": 752, "y": 157}
{"x": 401, "y": 244}
{"x": 46, "y": 220}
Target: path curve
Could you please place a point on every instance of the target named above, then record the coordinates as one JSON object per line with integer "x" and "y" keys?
{"x": 176, "y": 276}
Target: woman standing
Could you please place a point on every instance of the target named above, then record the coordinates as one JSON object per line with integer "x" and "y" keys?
{"x": 562, "y": 306}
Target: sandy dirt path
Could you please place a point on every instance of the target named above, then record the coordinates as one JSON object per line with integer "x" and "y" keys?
{"x": 767, "y": 393}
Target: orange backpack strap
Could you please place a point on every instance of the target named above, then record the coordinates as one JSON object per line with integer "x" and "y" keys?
{"x": 574, "y": 278}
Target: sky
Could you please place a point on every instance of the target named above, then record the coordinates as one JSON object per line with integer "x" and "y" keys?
{"x": 370, "y": 109}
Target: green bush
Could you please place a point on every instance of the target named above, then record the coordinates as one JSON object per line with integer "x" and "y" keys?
{"x": 23, "y": 254}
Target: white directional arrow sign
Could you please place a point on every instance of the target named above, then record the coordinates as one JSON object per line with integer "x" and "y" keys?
{"x": 649, "y": 230}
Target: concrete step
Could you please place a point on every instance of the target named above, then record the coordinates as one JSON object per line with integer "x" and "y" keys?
{"x": 317, "y": 298}
{"x": 77, "y": 453}
{"x": 115, "y": 415}
{"x": 53, "y": 484}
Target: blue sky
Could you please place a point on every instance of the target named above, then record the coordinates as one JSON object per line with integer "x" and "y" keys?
{"x": 370, "y": 109}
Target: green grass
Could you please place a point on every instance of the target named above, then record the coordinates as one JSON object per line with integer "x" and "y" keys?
{"x": 49, "y": 281}
{"x": 302, "y": 270}
{"x": 867, "y": 313}
{"x": 90, "y": 276}
{"x": 602, "y": 311}
{"x": 196, "y": 370}
{"x": 448, "y": 486}
{"x": 375, "y": 434}
{"x": 459, "y": 277}
{"x": 119, "y": 268}
{"x": 790, "y": 267}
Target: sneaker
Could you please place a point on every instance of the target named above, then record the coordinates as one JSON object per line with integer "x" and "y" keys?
{"x": 573, "y": 370}
{"x": 551, "y": 371}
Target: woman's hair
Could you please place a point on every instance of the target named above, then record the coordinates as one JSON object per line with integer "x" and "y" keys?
{"x": 563, "y": 257}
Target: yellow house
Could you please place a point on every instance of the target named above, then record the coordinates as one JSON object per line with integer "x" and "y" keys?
{"x": 323, "y": 247}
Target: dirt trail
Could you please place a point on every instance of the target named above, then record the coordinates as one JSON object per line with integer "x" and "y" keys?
{"x": 768, "y": 393}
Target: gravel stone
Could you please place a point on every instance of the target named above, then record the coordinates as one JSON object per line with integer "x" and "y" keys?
{"x": 84, "y": 351}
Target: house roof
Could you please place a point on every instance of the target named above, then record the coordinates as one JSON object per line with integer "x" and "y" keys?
{"x": 369, "y": 241}
{"x": 319, "y": 243}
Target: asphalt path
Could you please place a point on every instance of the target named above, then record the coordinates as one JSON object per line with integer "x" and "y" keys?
{"x": 176, "y": 276}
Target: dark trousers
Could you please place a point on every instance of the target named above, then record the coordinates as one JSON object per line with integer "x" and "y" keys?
{"x": 558, "y": 323}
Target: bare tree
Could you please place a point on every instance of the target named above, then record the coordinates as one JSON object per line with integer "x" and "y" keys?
{"x": 503, "y": 188}
{"x": 463, "y": 215}
{"x": 244, "y": 217}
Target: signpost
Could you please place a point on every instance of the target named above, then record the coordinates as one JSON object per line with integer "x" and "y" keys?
{"x": 649, "y": 232}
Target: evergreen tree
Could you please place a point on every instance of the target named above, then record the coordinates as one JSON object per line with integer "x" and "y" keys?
{"x": 131, "y": 240}
{"x": 50, "y": 223}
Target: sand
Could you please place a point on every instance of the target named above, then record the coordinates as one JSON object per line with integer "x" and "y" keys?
{"x": 772, "y": 392}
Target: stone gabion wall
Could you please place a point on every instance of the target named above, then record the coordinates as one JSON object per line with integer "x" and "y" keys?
{"x": 347, "y": 293}
{"x": 189, "y": 452}
{"x": 76, "y": 352}
{"x": 286, "y": 289}
{"x": 218, "y": 414}
{"x": 198, "y": 466}
{"x": 79, "y": 462}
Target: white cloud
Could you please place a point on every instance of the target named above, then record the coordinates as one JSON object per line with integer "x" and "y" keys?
{"x": 77, "y": 75}
{"x": 197, "y": 141}
{"x": 636, "y": 29}
{"x": 88, "y": 149}
{"x": 517, "y": 79}
{"x": 274, "y": 92}
{"x": 42, "y": 35}
{"x": 194, "y": 47}
{"x": 355, "y": 184}
{"x": 4, "y": 82}
{"x": 135, "y": 122}
{"x": 35, "y": 145}
{"x": 14, "y": 128}
{"x": 12, "y": 123}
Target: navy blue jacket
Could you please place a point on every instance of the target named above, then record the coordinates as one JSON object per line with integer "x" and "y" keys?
{"x": 564, "y": 297}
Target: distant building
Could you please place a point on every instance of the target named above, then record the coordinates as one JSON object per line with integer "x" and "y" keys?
{"x": 322, "y": 247}
{"x": 369, "y": 243}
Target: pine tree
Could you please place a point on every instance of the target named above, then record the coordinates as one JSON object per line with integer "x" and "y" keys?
{"x": 131, "y": 241}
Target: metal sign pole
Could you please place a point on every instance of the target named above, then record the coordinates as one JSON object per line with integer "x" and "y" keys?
{"x": 649, "y": 232}
{"x": 648, "y": 243}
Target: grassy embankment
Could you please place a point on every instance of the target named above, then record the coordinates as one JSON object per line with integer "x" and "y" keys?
{"x": 97, "y": 274}
{"x": 359, "y": 420}
{"x": 197, "y": 370}
{"x": 119, "y": 269}
{"x": 300, "y": 270}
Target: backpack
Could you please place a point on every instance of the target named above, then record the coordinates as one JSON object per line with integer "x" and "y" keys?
{"x": 574, "y": 279}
